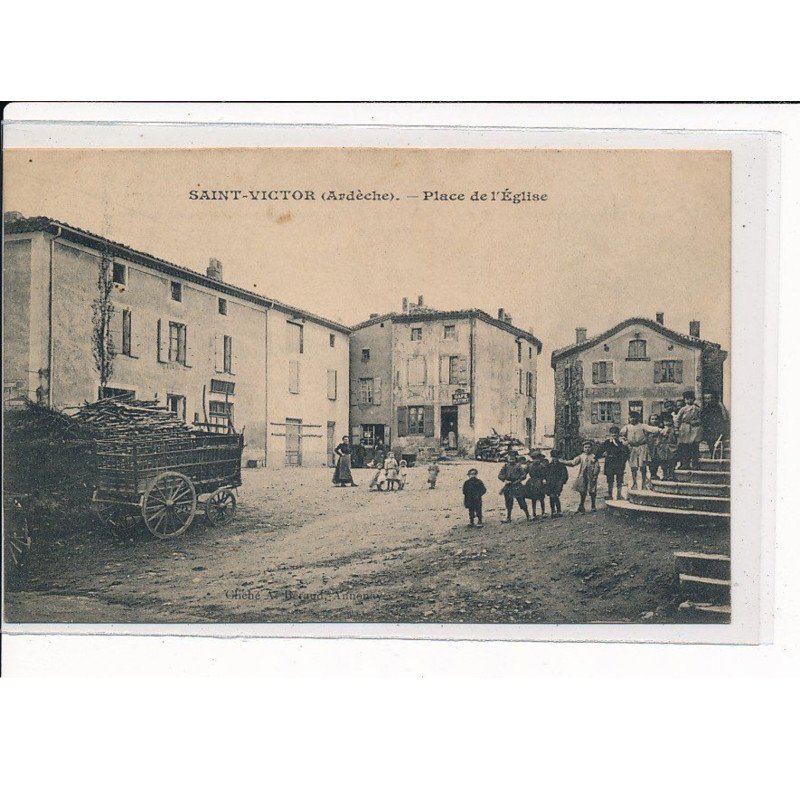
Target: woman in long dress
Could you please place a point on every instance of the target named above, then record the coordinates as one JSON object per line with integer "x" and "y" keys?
{"x": 342, "y": 475}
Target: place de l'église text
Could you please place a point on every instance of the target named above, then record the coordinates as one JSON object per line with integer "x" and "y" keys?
{"x": 505, "y": 195}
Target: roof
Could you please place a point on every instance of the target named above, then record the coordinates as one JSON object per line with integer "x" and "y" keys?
{"x": 681, "y": 338}
{"x": 431, "y": 315}
{"x": 80, "y": 236}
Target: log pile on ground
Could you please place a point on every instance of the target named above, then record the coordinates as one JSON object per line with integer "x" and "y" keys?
{"x": 497, "y": 447}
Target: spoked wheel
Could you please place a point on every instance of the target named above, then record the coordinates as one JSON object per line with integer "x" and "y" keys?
{"x": 17, "y": 540}
{"x": 116, "y": 517}
{"x": 169, "y": 505}
{"x": 221, "y": 507}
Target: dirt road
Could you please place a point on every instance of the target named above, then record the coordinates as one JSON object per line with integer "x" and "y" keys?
{"x": 302, "y": 550}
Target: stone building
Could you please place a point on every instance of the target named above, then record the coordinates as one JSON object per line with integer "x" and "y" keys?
{"x": 213, "y": 352}
{"x": 634, "y": 366}
{"x": 428, "y": 380}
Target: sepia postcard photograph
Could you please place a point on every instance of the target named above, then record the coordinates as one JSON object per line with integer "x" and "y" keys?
{"x": 453, "y": 386}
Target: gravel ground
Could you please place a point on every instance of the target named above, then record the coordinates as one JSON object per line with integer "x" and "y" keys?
{"x": 302, "y": 550}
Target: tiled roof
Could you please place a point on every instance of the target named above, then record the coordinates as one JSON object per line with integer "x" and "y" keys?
{"x": 31, "y": 224}
{"x": 430, "y": 315}
{"x": 681, "y": 338}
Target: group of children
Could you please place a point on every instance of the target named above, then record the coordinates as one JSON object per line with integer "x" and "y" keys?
{"x": 391, "y": 474}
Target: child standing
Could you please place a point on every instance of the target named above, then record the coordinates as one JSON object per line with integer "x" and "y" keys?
{"x": 474, "y": 490}
{"x": 592, "y": 473}
{"x": 433, "y": 474}
{"x": 513, "y": 473}
{"x": 635, "y": 436}
{"x": 537, "y": 473}
{"x": 377, "y": 478}
{"x": 390, "y": 471}
{"x": 615, "y": 452}
{"x": 581, "y": 483}
{"x": 668, "y": 450}
{"x": 554, "y": 482}
{"x": 402, "y": 474}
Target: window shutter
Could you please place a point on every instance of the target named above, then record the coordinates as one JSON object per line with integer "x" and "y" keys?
{"x": 656, "y": 372}
{"x": 189, "y": 346}
{"x": 595, "y": 372}
{"x": 610, "y": 371}
{"x": 354, "y": 392}
{"x": 162, "y": 340}
{"x": 377, "y": 387}
{"x": 444, "y": 369}
{"x": 218, "y": 356}
{"x": 331, "y": 384}
{"x": 234, "y": 358}
{"x": 617, "y": 412}
{"x": 679, "y": 372}
{"x": 427, "y": 421}
{"x": 595, "y": 413}
{"x": 424, "y": 369}
{"x": 402, "y": 421}
{"x": 115, "y": 329}
{"x": 463, "y": 371}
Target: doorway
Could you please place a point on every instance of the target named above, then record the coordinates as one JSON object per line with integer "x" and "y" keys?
{"x": 331, "y": 443}
{"x": 449, "y": 427}
{"x": 294, "y": 442}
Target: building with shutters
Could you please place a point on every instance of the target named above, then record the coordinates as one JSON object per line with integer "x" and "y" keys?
{"x": 213, "y": 352}
{"x": 634, "y": 366}
{"x": 428, "y": 380}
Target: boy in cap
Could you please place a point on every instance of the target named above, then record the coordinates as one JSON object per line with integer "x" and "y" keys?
{"x": 554, "y": 482}
{"x": 615, "y": 452}
{"x": 635, "y": 436}
{"x": 474, "y": 490}
{"x": 513, "y": 473}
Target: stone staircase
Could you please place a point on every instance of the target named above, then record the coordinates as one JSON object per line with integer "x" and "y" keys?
{"x": 696, "y": 497}
{"x": 704, "y": 586}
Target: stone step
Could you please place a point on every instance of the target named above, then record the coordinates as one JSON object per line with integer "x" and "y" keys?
{"x": 694, "y": 519}
{"x": 704, "y": 565}
{"x": 694, "y": 489}
{"x": 695, "y": 476}
{"x": 714, "y": 465}
{"x": 643, "y": 497}
{"x": 705, "y": 590}
{"x": 705, "y": 612}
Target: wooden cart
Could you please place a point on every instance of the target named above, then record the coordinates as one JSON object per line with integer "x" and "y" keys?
{"x": 160, "y": 480}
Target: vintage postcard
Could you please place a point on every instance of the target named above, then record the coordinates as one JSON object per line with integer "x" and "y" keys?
{"x": 450, "y": 387}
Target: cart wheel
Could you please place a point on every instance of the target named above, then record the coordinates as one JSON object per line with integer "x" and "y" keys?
{"x": 221, "y": 507}
{"x": 116, "y": 517}
{"x": 169, "y": 504}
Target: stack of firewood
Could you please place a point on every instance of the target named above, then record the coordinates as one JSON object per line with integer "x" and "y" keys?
{"x": 115, "y": 418}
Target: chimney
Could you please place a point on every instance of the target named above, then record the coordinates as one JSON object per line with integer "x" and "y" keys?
{"x": 508, "y": 318}
{"x": 420, "y": 302}
{"x": 12, "y": 216}
{"x": 694, "y": 328}
{"x": 501, "y": 314}
{"x": 580, "y": 335}
{"x": 214, "y": 270}
{"x": 405, "y": 305}
{"x": 660, "y": 317}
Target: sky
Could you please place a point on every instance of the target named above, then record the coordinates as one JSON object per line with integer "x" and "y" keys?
{"x": 622, "y": 233}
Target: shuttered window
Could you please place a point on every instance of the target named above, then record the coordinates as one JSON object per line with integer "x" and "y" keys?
{"x": 126, "y": 332}
{"x": 668, "y": 372}
{"x": 603, "y": 372}
{"x": 637, "y": 349}
{"x": 606, "y": 411}
{"x": 331, "y": 384}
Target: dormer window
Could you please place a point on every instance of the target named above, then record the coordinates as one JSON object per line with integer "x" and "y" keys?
{"x": 637, "y": 350}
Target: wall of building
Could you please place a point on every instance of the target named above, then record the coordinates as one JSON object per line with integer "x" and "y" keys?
{"x": 16, "y": 319}
{"x": 377, "y": 338}
{"x": 310, "y": 403}
{"x": 568, "y": 405}
{"x": 499, "y": 403}
{"x": 633, "y": 380}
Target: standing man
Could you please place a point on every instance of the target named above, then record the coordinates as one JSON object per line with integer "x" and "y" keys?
{"x": 615, "y": 452}
{"x": 513, "y": 473}
{"x": 690, "y": 431}
{"x": 714, "y": 419}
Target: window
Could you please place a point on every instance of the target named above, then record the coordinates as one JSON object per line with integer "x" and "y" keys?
{"x": 449, "y": 331}
{"x": 606, "y": 411}
{"x": 222, "y": 306}
{"x": 416, "y": 334}
{"x": 529, "y": 385}
{"x": 530, "y": 352}
{"x": 176, "y": 290}
{"x": 177, "y": 404}
{"x": 222, "y": 387}
{"x": 417, "y": 371}
{"x": 637, "y": 350}
{"x": 294, "y": 377}
{"x": 227, "y": 354}
{"x": 120, "y": 274}
{"x": 332, "y": 339}
{"x": 177, "y": 342}
{"x": 366, "y": 391}
{"x": 668, "y": 372}
{"x": 295, "y": 337}
{"x": 520, "y": 382}
{"x": 567, "y": 414}
{"x": 220, "y": 414}
{"x": 519, "y": 352}
{"x": 365, "y": 354}
{"x": 416, "y": 420}
{"x": 453, "y": 370}
{"x": 567, "y": 378}
{"x": 126, "y": 332}
{"x": 603, "y": 372}
{"x": 331, "y": 384}
{"x": 372, "y": 435}
{"x": 113, "y": 391}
